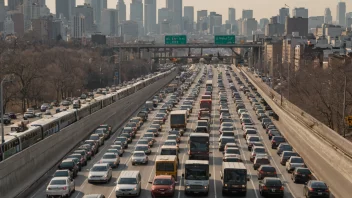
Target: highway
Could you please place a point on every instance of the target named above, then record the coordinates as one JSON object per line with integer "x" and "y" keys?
{"x": 148, "y": 171}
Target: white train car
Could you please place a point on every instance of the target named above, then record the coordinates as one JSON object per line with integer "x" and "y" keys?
{"x": 66, "y": 118}
{"x": 48, "y": 126}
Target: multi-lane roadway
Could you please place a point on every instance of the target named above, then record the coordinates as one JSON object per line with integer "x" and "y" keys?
{"x": 215, "y": 161}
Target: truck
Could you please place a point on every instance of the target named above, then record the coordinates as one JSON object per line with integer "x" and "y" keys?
{"x": 196, "y": 177}
{"x": 205, "y": 104}
{"x": 234, "y": 178}
{"x": 198, "y": 146}
{"x": 178, "y": 119}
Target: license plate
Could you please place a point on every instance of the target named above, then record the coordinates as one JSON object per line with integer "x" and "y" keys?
{"x": 162, "y": 193}
{"x": 320, "y": 193}
{"x": 304, "y": 175}
{"x": 273, "y": 190}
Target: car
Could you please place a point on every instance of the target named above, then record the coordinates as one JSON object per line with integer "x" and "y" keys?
{"x": 266, "y": 171}
{"x": 272, "y": 133}
{"x": 283, "y": 147}
{"x": 276, "y": 140}
{"x": 63, "y": 173}
{"x": 119, "y": 148}
{"x": 163, "y": 185}
{"x": 174, "y": 137}
{"x": 12, "y": 115}
{"x": 29, "y": 114}
{"x": 123, "y": 140}
{"x": 44, "y": 107}
{"x": 143, "y": 141}
{"x": 143, "y": 147}
{"x": 83, "y": 153}
{"x": 70, "y": 165}
{"x": 293, "y": 163}
{"x": 315, "y": 188}
{"x": 128, "y": 136}
{"x": 154, "y": 131}
{"x": 112, "y": 159}
{"x": 232, "y": 158}
{"x": 7, "y": 119}
{"x": 250, "y": 140}
{"x": 270, "y": 186}
{"x": 232, "y": 150}
{"x": 94, "y": 145}
{"x": 60, "y": 186}
{"x": 300, "y": 174}
{"x": 224, "y": 140}
{"x": 98, "y": 138}
{"x": 257, "y": 150}
{"x": 139, "y": 157}
{"x": 260, "y": 159}
{"x": 226, "y": 128}
{"x": 100, "y": 173}
{"x": 129, "y": 183}
{"x": 286, "y": 156}
{"x": 249, "y": 132}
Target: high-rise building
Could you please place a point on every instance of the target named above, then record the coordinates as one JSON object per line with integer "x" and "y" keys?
{"x": 27, "y": 13}
{"x": 188, "y": 13}
{"x": 18, "y": 20}
{"x": 2, "y": 11}
{"x": 164, "y": 14}
{"x": 327, "y": 16}
{"x": 177, "y": 16}
{"x": 232, "y": 15}
{"x": 121, "y": 7}
{"x": 9, "y": 26}
{"x": 98, "y": 6}
{"x": 78, "y": 30}
{"x": 12, "y": 4}
{"x": 341, "y": 13}
{"x": 165, "y": 27}
{"x": 150, "y": 16}
{"x": 217, "y": 19}
{"x": 72, "y": 8}
{"x": 129, "y": 31}
{"x": 110, "y": 18}
{"x": 62, "y": 7}
{"x": 58, "y": 30}
{"x": 201, "y": 14}
{"x": 87, "y": 11}
{"x": 283, "y": 12}
{"x": 170, "y": 4}
{"x": 247, "y": 14}
{"x": 315, "y": 21}
{"x": 300, "y": 12}
{"x": 296, "y": 24}
{"x": 136, "y": 14}
{"x": 249, "y": 26}
{"x": 262, "y": 23}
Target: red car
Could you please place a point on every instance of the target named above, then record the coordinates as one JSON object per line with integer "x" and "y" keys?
{"x": 163, "y": 186}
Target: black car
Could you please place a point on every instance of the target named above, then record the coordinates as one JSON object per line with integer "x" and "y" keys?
{"x": 7, "y": 119}
{"x": 276, "y": 140}
{"x": 314, "y": 188}
{"x": 270, "y": 186}
{"x": 283, "y": 147}
{"x": 301, "y": 174}
{"x": 70, "y": 165}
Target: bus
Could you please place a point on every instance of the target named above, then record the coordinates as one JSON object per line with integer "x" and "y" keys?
{"x": 166, "y": 165}
{"x": 196, "y": 177}
{"x": 234, "y": 178}
{"x": 198, "y": 146}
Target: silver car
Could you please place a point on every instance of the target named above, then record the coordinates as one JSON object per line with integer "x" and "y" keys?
{"x": 60, "y": 186}
{"x": 112, "y": 159}
{"x": 143, "y": 147}
{"x": 114, "y": 150}
{"x": 100, "y": 173}
{"x": 293, "y": 163}
{"x": 139, "y": 157}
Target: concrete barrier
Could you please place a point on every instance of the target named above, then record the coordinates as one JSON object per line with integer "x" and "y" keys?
{"x": 25, "y": 168}
{"x": 309, "y": 138}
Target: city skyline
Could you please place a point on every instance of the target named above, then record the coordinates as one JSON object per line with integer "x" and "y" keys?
{"x": 315, "y": 7}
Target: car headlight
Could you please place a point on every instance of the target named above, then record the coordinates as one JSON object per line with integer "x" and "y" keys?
{"x": 243, "y": 186}
{"x": 205, "y": 187}
{"x": 188, "y": 187}
{"x": 117, "y": 188}
{"x": 135, "y": 188}
{"x": 225, "y": 185}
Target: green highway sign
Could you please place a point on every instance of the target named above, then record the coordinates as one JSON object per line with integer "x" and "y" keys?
{"x": 224, "y": 39}
{"x": 175, "y": 39}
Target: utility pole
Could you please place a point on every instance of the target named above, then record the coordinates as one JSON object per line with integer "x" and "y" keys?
{"x": 120, "y": 56}
{"x": 344, "y": 107}
{"x": 277, "y": 61}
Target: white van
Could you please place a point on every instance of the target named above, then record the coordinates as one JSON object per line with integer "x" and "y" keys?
{"x": 129, "y": 184}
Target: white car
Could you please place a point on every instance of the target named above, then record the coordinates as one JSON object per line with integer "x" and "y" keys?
{"x": 60, "y": 186}
{"x": 100, "y": 173}
{"x": 143, "y": 147}
{"x": 112, "y": 159}
{"x": 294, "y": 162}
{"x": 139, "y": 157}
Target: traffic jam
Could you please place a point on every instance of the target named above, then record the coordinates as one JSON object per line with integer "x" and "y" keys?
{"x": 197, "y": 136}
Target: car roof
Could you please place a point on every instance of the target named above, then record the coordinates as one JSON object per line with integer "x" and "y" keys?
{"x": 67, "y": 160}
{"x": 138, "y": 152}
{"x": 101, "y": 164}
{"x": 59, "y": 178}
{"x": 109, "y": 153}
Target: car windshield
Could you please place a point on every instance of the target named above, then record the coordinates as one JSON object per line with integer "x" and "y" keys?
{"x": 148, "y": 135}
{"x": 247, "y": 121}
{"x": 273, "y": 183}
{"x": 262, "y": 161}
{"x": 227, "y": 140}
{"x": 94, "y": 137}
{"x": 58, "y": 182}
{"x": 297, "y": 160}
{"x": 139, "y": 154}
{"x": 233, "y": 151}
{"x": 99, "y": 168}
{"x": 254, "y": 139}
{"x": 268, "y": 169}
{"x": 236, "y": 176}
{"x": 127, "y": 181}
{"x": 143, "y": 142}
{"x": 170, "y": 143}
{"x": 61, "y": 174}
{"x": 162, "y": 182}
{"x": 109, "y": 156}
{"x": 141, "y": 148}
{"x": 171, "y": 137}
{"x": 285, "y": 146}
{"x": 318, "y": 185}
{"x": 259, "y": 150}
{"x": 304, "y": 171}
{"x": 131, "y": 124}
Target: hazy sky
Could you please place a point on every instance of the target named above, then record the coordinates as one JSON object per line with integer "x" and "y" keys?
{"x": 261, "y": 8}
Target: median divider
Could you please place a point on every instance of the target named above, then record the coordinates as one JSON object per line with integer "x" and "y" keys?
{"x": 24, "y": 169}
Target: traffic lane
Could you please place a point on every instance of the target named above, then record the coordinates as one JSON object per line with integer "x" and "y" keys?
{"x": 81, "y": 179}
{"x": 217, "y": 155}
{"x": 291, "y": 189}
{"x": 315, "y": 160}
{"x": 125, "y": 164}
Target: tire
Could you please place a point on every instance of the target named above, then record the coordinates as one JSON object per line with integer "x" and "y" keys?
{"x": 74, "y": 189}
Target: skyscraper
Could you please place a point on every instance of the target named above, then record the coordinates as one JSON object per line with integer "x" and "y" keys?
{"x": 164, "y": 14}
{"x": 98, "y": 6}
{"x": 247, "y": 14}
{"x": 283, "y": 12}
{"x": 189, "y": 17}
{"x": 2, "y": 11}
{"x": 177, "y": 20}
{"x": 136, "y": 14}
{"x": 121, "y": 7}
{"x": 341, "y": 13}
{"x": 300, "y": 12}
{"x": 149, "y": 16}
{"x": 110, "y": 18}
{"x": 170, "y": 4}
{"x": 87, "y": 11}
{"x": 62, "y": 7}
{"x": 200, "y": 15}
{"x": 327, "y": 16}
{"x": 78, "y": 30}
{"x": 12, "y": 4}
{"x": 232, "y": 15}
{"x": 72, "y": 7}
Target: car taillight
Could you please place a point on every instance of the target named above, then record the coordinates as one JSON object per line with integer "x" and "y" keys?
{"x": 273, "y": 141}
{"x": 261, "y": 172}
{"x": 311, "y": 189}
{"x": 275, "y": 172}
{"x": 265, "y": 188}
{"x": 282, "y": 188}
{"x": 254, "y": 154}
{"x": 171, "y": 187}
{"x": 64, "y": 188}
{"x": 326, "y": 190}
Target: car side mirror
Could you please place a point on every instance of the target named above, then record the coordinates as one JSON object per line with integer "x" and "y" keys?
{"x": 150, "y": 182}
{"x": 305, "y": 183}
{"x": 183, "y": 175}
{"x": 209, "y": 175}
